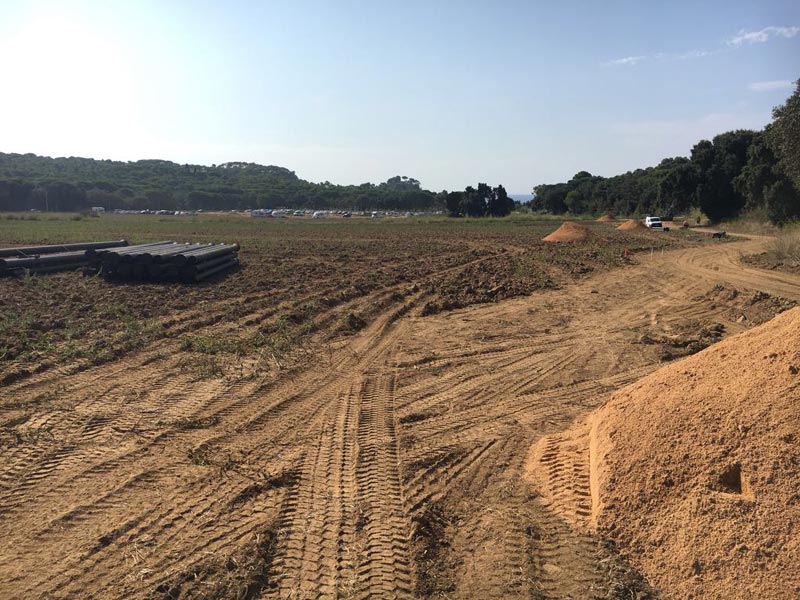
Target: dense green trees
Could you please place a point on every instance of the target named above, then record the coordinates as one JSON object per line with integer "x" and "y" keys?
{"x": 484, "y": 201}
{"x": 759, "y": 172}
{"x": 717, "y": 164}
{"x": 782, "y": 201}
{"x": 735, "y": 171}
{"x": 784, "y": 136}
{"x": 782, "y": 190}
{"x": 73, "y": 184}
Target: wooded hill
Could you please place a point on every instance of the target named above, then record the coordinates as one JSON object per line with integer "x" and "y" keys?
{"x": 29, "y": 182}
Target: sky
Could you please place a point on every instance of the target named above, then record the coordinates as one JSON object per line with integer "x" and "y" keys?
{"x": 450, "y": 92}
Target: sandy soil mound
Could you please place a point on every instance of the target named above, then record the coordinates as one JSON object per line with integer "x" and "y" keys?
{"x": 632, "y": 224}
{"x": 568, "y": 232}
{"x": 695, "y": 469}
{"x": 606, "y": 219}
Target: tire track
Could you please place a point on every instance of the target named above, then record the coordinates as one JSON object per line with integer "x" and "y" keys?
{"x": 320, "y": 520}
{"x": 385, "y": 568}
{"x": 147, "y": 476}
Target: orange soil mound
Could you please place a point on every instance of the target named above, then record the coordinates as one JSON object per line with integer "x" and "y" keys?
{"x": 606, "y": 219}
{"x": 568, "y": 232}
{"x": 695, "y": 469}
{"x": 632, "y": 224}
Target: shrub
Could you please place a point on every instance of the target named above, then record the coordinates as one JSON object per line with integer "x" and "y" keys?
{"x": 786, "y": 245}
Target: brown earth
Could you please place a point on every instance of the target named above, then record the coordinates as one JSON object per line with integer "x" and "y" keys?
{"x": 383, "y": 463}
{"x": 568, "y": 232}
{"x": 631, "y": 225}
{"x": 766, "y": 260}
{"x": 606, "y": 219}
{"x": 294, "y": 279}
{"x": 694, "y": 469}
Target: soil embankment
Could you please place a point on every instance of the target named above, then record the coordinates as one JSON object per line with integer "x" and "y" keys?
{"x": 695, "y": 469}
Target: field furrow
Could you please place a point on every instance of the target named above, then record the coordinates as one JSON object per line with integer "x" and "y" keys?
{"x": 343, "y": 437}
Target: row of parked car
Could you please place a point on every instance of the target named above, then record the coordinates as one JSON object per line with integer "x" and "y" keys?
{"x": 179, "y": 213}
{"x": 282, "y": 213}
{"x": 321, "y": 214}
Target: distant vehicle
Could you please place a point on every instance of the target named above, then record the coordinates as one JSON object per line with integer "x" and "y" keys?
{"x": 318, "y": 215}
{"x": 346, "y": 215}
{"x": 653, "y": 222}
{"x": 98, "y": 210}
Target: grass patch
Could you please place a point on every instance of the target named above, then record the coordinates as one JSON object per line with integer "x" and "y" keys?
{"x": 785, "y": 246}
{"x": 205, "y": 344}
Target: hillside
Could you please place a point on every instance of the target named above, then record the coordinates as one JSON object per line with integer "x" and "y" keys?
{"x": 28, "y": 181}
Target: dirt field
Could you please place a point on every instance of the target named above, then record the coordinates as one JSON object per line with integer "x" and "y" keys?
{"x": 349, "y": 416}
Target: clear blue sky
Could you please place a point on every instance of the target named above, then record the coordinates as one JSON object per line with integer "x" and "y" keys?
{"x": 449, "y": 92}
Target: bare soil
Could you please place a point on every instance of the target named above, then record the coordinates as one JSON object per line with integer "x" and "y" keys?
{"x": 296, "y": 278}
{"x": 382, "y": 457}
{"x": 765, "y": 260}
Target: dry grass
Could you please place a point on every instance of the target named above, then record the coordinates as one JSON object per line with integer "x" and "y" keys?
{"x": 753, "y": 222}
{"x": 786, "y": 246}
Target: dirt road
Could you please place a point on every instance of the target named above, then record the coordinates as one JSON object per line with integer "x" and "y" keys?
{"x": 390, "y": 467}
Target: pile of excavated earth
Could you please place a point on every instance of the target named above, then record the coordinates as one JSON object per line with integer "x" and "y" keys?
{"x": 695, "y": 469}
{"x": 606, "y": 219}
{"x": 568, "y": 232}
{"x": 631, "y": 225}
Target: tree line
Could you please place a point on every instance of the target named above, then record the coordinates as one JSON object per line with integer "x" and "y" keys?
{"x": 735, "y": 172}
{"x": 485, "y": 201}
{"x": 74, "y": 184}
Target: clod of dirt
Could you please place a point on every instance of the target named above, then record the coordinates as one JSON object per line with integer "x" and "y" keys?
{"x": 747, "y": 309}
{"x": 352, "y": 323}
{"x": 767, "y": 260}
{"x": 606, "y": 219}
{"x": 686, "y": 339}
{"x": 692, "y": 474}
{"x": 568, "y": 232}
{"x": 632, "y": 225}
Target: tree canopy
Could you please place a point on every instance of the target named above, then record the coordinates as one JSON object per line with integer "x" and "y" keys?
{"x": 73, "y": 184}
{"x": 485, "y": 201}
{"x": 735, "y": 171}
{"x": 784, "y": 135}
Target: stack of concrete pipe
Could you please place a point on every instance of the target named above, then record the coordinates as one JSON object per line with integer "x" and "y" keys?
{"x": 48, "y": 259}
{"x": 164, "y": 261}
